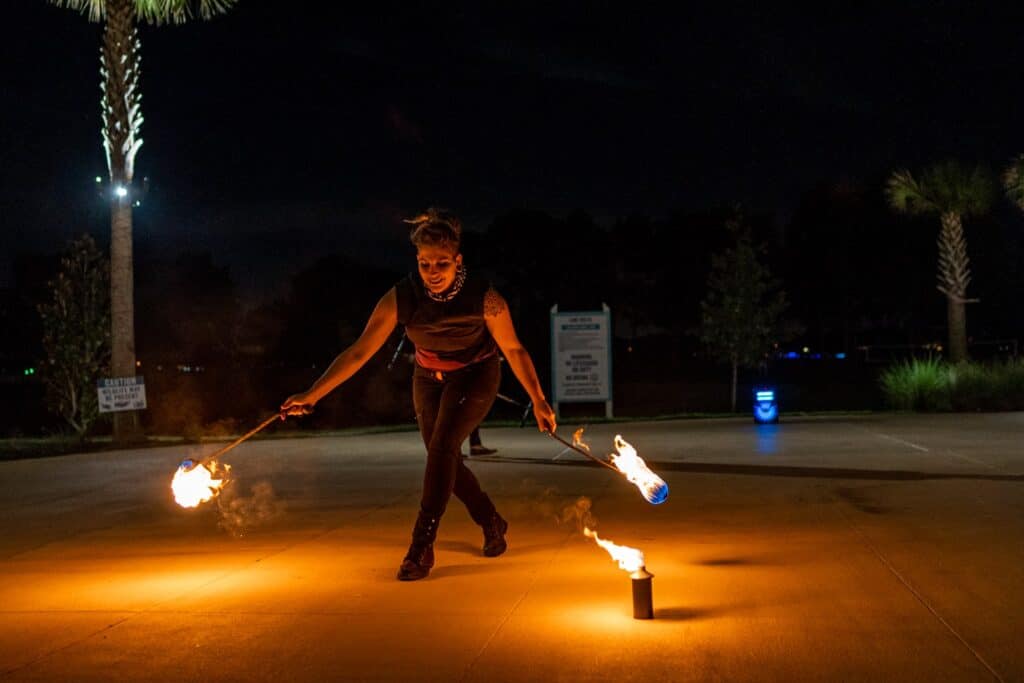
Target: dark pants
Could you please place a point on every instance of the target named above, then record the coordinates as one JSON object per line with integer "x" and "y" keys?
{"x": 447, "y": 410}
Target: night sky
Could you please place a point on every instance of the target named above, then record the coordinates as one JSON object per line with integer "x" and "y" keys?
{"x": 273, "y": 135}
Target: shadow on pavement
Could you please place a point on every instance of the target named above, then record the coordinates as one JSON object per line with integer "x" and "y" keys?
{"x": 728, "y": 562}
{"x": 441, "y": 571}
{"x": 686, "y": 613}
{"x": 776, "y": 470}
{"x": 458, "y": 547}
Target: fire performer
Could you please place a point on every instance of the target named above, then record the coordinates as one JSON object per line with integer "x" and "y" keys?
{"x": 458, "y": 323}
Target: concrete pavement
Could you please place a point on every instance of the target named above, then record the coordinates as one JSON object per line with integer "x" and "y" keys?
{"x": 857, "y": 548}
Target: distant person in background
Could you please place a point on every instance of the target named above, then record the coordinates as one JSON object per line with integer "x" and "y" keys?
{"x": 476, "y": 446}
{"x": 458, "y": 324}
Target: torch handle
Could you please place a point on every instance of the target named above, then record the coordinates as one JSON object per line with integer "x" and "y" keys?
{"x": 263, "y": 425}
{"x": 582, "y": 451}
{"x": 398, "y": 350}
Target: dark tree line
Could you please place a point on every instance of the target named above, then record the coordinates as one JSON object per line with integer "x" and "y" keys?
{"x": 854, "y": 274}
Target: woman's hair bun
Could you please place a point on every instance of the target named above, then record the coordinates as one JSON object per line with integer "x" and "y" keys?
{"x": 435, "y": 227}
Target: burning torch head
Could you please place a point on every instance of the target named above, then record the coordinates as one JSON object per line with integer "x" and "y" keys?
{"x": 652, "y": 487}
{"x": 193, "y": 482}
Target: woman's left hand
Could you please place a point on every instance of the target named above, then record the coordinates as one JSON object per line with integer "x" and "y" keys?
{"x": 545, "y": 416}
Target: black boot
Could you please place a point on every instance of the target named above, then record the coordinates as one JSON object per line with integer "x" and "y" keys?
{"x": 494, "y": 535}
{"x": 420, "y": 558}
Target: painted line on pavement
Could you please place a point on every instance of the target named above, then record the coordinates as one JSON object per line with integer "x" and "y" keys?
{"x": 560, "y": 453}
{"x": 971, "y": 460}
{"x": 905, "y": 443}
{"x": 965, "y": 458}
{"x": 533, "y": 582}
{"x": 910, "y": 587}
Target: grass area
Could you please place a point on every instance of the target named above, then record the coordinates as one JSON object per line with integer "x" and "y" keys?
{"x": 17, "y": 448}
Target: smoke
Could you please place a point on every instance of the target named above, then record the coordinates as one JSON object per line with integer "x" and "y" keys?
{"x": 548, "y": 504}
{"x": 241, "y": 514}
{"x": 579, "y": 514}
{"x": 529, "y": 499}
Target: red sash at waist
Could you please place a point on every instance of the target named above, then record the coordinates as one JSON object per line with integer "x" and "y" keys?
{"x": 431, "y": 361}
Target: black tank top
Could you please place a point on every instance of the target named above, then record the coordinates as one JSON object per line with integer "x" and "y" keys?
{"x": 448, "y": 334}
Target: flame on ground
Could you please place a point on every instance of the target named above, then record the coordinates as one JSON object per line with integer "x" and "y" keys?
{"x": 651, "y": 486}
{"x": 195, "y": 485}
{"x": 629, "y": 559}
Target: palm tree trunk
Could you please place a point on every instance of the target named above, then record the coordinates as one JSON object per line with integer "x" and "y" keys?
{"x": 956, "y": 318}
{"x": 122, "y": 119}
{"x": 122, "y": 311}
{"x": 953, "y": 277}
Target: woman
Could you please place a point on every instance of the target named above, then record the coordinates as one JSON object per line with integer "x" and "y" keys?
{"x": 458, "y": 323}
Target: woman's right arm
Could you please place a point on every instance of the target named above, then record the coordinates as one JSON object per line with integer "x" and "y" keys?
{"x": 378, "y": 328}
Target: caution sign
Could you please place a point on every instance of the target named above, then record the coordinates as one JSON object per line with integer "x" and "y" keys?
{"x": 121, "y": 393}
{"x": 581, "y": 357}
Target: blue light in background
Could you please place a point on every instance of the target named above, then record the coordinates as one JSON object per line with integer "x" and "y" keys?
{"x": 817, "y": 355}
{"x": 767, "y": 439}
{"x": 766, "y": 409}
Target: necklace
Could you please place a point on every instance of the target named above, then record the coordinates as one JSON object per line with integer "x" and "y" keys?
{"x": 460, "y": 279}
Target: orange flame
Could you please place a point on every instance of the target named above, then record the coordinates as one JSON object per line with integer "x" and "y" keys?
{"x": 651, "y": 486}
{"x": 629, "y": 559}
{"x": 196, "y": 485}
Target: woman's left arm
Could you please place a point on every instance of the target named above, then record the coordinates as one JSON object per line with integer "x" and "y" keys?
{"x": 499, "y": 322}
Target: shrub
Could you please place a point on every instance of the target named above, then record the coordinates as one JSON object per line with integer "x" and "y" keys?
{"x": 971, "y": 386}
{"x": 1008, "y": 379}
{"x": 931, "y": 385}
{"x": 917, "y": 385}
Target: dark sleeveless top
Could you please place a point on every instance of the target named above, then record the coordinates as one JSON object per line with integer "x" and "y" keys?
{"x": 448, "y": 334}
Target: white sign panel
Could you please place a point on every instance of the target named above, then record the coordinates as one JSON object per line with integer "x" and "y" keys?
{"x": 121, "y": 393}
{"x": 581, "y": 359}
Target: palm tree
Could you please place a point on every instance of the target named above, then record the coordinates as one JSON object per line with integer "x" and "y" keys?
{"x": 952, "y": 191}
{"x": 121, "y": 107}
{"x": 1013, "y": 181}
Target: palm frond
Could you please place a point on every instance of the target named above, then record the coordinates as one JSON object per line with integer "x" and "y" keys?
{"x": 154, "y": 11}
{"x": 960, "y": 189}
{"x": 180, "y": 11}
{"x": 93, "y": 8}
{"x": 942, "y": 188}
{"x": 1013, "y": 181}
{"x": 906, "y": 195}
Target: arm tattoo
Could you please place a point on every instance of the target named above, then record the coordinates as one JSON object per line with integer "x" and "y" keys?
{"x": 494, "y": 304}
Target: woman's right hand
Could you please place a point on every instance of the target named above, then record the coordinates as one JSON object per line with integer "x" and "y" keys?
{"x": 298, "y": 404}
{"x": 545, "y": 416}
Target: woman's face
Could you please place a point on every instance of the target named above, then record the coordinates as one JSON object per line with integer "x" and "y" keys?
{"x": 437, "y": 266}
